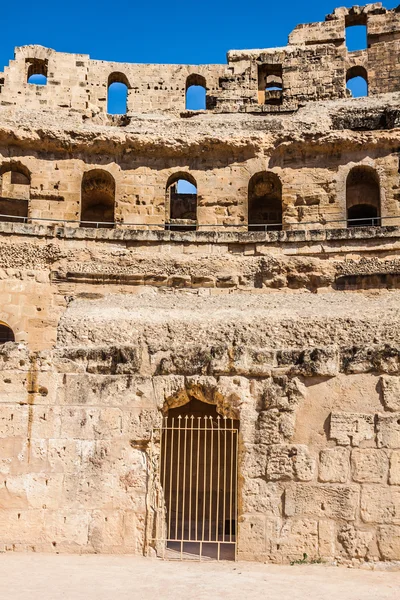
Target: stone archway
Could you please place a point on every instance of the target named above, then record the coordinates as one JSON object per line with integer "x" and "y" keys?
{"x": 199, "y": 474}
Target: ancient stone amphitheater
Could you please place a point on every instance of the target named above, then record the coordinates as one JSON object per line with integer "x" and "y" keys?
{"x": 200, "y": 317}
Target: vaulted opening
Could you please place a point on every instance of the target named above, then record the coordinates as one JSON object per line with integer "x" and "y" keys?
{"x": 363, "y": 197}
{"x": 117, "y": 94}
{"x": 265, "y": 202}
{"x": 97, "y": 199}
{"x": 6, "y": 334}
{"x": 196, "y": 92}
{"x": 37, "y": 71}
{"x": 357, "y": 82}
{"x": 15, "y": 183}
{"x": 270, "y": 84}
{"x": 199, "y": 478}
{"x": 181, "y": 198}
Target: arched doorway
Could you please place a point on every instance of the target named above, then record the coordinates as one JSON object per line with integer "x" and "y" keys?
{"x": 363, "y": 201}
{"x": 198, "y": 474}
{"x": 196, "y": 92}
{"x": 357, "y": 82}
{"x": 117, "y": 94}
{"x": 97, "y": 199}
{"x": 6, "y": 334}
{"x": 15, "y": 186}
{"x": 181, "y": 202}
{"x": 265, "y": 202}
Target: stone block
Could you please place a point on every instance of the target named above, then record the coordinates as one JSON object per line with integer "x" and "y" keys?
{"x": 369, "y": 465}
{"x": 134, "y": 531}
{"x": 92, "y": 489}
{"x": 253, "y": 537}
{"x": 139, "y": 424}
{"x": 389, "y": 542}
{"x": 283, "y": 393}
{"x": 350, "y": 429}
{"x": 31, "y": 490}
{"x": 44, "y": 422}
{"x": 21, "y": 526}
{"x": 67, "y": 530}
{"x": 380, "y": 504}
{"x": 326, "y": 538}
{"x": 254, "y": 460}
{"x": 106, "y": 530}
{"x": 394, "y": 473}
{"x": 388, "y": 431}
{"x": 13, "y": 421}
{"x": 355, "y": 542}
{"x": 64, "y": 455}
{"x": 90, "y": 423}
{"x": 321, "y": 501}
{"x": 274, "y": 427}
{"x": 285, "y": 462}
{"x": 296, "y": 537}
{"x": 258, "y": 496}
{"x": 334, "y": 465}
{"x": 390, "y": 386}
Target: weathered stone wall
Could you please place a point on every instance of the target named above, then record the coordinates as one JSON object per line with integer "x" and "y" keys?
{"x": 313, "y": 379}
{"x": 314, "y": 67}
{"x": 294, "y": 333}
{"x": 312, "y": 166}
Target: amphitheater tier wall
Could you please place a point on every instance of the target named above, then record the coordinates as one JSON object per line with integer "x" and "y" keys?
{"x": 291, "y": 330}
{"x": 314, "y": 66}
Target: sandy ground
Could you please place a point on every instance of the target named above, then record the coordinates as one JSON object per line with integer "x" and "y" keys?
{"x": 52, "y": 577}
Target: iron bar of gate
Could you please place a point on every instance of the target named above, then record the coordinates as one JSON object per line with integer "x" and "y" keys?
{"x": 370, "y": 222}
{"x": 209, "y": 485}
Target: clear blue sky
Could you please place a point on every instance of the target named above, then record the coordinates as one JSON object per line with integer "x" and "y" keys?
{"x": 156, "y": 31}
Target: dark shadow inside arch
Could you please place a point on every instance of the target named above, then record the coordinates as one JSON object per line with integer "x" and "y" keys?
{"x": 15, "y": 182}
{"x": 97, "y": 199}
{"x": 363, "y": 197}
{"x": 265, "y": 202}
{"x": 6, "y": 334}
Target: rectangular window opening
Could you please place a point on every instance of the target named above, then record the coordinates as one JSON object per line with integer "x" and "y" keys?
{"x": 270, "y": 84}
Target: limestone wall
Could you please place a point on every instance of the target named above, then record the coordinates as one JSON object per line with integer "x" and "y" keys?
{"x": 319, "y": 432}
{"x": 313, "y": 66}
{"x": 313, "y": 174}
{"x": 294, "y": 333}
{"x": 312, "y": 377}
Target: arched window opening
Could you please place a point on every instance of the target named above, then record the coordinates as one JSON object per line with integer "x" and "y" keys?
{"x": 199, "y": 462}
{"x": 357, "y": 82}
{"x": 363, "y": 197}
{"x": 182, "y": 202}
{"x": 97, "y": 199}
{"x": 117, "y": 94}
{"x": 356, "y": 36}
{"x": 265, "y": 202}
{"x": 6, "y": 334}
{"x": 196, "y": 93}
{"x": 270, "y": 84}
{"x": 37, "y": 71}
{"x": 15, "y": 183}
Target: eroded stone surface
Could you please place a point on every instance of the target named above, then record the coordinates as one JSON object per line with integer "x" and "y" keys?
{"x": 290, "y": 337}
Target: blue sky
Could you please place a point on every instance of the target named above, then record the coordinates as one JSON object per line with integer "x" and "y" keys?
{"x": 157, "y": 31}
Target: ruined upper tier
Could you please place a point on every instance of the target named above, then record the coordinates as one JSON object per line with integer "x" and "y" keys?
{"x": 314, "y": 66}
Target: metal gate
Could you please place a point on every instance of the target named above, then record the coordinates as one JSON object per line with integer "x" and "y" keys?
{"x": 198, "y": 475}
